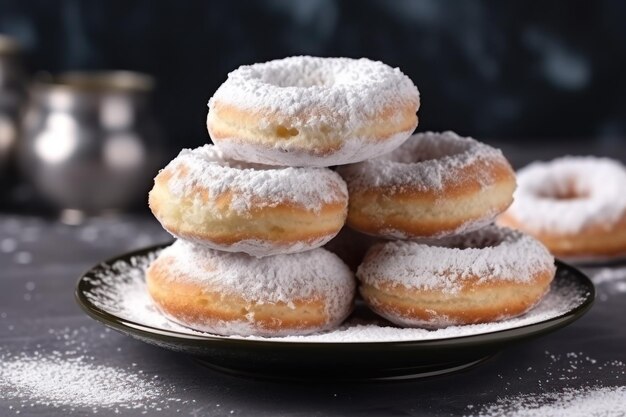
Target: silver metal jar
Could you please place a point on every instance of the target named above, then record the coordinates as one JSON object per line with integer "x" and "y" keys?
{"x": 12, "y": 90}
{"x": 89, "y": 141}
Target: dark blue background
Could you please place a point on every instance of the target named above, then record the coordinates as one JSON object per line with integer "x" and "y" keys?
{"x": 515, "y": 70}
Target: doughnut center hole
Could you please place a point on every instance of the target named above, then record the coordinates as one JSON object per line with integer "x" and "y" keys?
{"x": 286, "y": 132}
{"x": 567, "y": 191}
{"x": 298, "y": 77}
{"x": 426, "y": 150}
{"x": 564, "y": 195}
{"x": 486, "y": 238}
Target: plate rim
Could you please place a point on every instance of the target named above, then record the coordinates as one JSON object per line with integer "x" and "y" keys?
{"x": 130, "y": 326}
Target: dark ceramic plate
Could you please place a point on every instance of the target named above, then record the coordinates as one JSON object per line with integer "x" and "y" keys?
{"x": 322, "y": 359}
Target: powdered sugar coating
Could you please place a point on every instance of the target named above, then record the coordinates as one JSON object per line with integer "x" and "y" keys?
{"x": 252, "y": 185}
{"x": 315, "y": 274}
{"x": 491, "y": 253}
{"x": 353, "y": 90}
{"x": 569, "y": 194}
{"x": 341, "y": 94}
{"x": 261, "y": 248}
{"x": 466, "y": 227}
{"x": 354, "y": 149}
{"x": 426, "y": 162}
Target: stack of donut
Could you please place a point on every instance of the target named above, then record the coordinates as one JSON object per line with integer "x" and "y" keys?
{"x": 435, "y": 197}
{"x": 252, "y": 211}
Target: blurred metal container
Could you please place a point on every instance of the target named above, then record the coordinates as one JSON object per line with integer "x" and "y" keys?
{"x": 90, "y": 141}
{"x": 12, "y": 89}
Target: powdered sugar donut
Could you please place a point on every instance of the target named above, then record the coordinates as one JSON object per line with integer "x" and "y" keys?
{"x": 234, "y": 293}
{"x": 576, "y": 206}
{"x": 309, "y": 111}
{"x": 487, "y": 275}
{"x": 434, "y": 185}
{"x": 240, "y": 207}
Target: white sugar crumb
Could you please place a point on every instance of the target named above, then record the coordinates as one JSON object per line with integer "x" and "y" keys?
{"x": 355, "y": 89}
{"x": 121, "y": 290}
{"x": 570, "y": 402}
{"x": 427, "y": 161}
{"x": 609, "y": 276}
{"x": 491, "y": 253}
{"x": 8, "y": 245}
{"x": 569, "y": 194}
{"x": 23, "y": 257}
{"x": 251, "y": 185}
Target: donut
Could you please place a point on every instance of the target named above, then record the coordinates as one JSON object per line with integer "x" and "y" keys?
{"x": 576, "y": 206}
{"x": 237, "y": 294}
{"x": 483, "y": 276}
{"x": 310, "y": 111}
{"x": 434, "y": 185}
{"x": 234, "y": 206}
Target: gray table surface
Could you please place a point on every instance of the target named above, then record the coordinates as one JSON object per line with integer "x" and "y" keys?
{"x": 40, "y": 261}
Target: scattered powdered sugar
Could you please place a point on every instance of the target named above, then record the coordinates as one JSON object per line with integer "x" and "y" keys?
{"x": 568, "y": 384}
{"x": 120, "y": 290}
{"x": 348, "y": 91}
{"x": 609, "y": 275}
{"x": 492, "y": 253}
{"x": 427, "y": 162}
{"x": 66, "y": 377}
{"x": 572, "y": 368}
{"x": 251, "y": 185}
{"x": 58, "y": 382}
{"x": 609, "y": 281}
{"x": 570, "y": 402}
{"x": 317, "y": 273}
{"x": 568, "y": 194}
